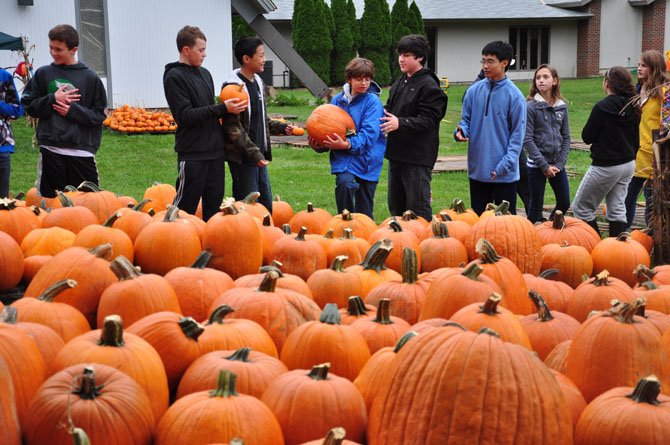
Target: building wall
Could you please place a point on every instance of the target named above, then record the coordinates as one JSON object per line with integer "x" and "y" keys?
{"x": 666, "y": 38}
{"x": 33, "y": 22}
{"x": 653, "y": 26}
{"x": 142, "y": 41}
{"x": 620, "y": 34}
{"x": 278, "y": 67}
{"x": 563, "y": 48}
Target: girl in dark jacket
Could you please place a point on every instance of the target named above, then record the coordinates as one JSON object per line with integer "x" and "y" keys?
{"x": 547, "y": 142}
{"x": 613, "y": 132}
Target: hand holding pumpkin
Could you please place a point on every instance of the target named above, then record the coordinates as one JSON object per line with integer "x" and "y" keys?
{"x": 235, "y": 106}
{"x": 337, "y": 142}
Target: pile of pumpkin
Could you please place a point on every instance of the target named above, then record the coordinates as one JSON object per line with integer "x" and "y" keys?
{"x": 142, "y": 324}
{"x": 126, "y": 119}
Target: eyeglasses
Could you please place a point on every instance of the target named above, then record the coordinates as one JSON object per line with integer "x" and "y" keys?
{"x": 489, "y": 62}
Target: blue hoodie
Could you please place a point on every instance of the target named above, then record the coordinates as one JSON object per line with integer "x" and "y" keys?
{"x": 10, "y": 108}
{"x": 494, "y": 119}
{"x": 365, "y": 157}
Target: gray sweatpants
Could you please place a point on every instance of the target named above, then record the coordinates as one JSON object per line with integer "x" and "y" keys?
{"x": 610, "y": 183}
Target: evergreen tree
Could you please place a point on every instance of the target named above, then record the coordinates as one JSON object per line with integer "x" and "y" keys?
{"x": 309, "y": 40}
{"x": 330, "y": 22}
{"x": 376, "y": 38}
{"x": 241, "y": 29}
{"x": 416, "y": 19}
{"x": 354, "y": 25}
{"x": 401, "y": 25}
{"x": 343, "y": 42}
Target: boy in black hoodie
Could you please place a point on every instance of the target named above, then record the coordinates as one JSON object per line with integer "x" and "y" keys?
{"x": 189, "y": 90}
{"x": 413, "y": 112}
{"x": 70, "y": 102}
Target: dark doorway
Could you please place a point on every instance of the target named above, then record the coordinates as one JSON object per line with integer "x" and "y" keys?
{"x": 431, "y": 34}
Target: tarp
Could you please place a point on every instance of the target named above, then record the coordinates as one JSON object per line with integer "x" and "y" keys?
{"x": 10, "y": 42}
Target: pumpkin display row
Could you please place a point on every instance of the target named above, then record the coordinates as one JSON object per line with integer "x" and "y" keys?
{"x": 126, "y": 119}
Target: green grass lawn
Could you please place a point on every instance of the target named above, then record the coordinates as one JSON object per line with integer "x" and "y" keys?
{"x": 128, "y": 164}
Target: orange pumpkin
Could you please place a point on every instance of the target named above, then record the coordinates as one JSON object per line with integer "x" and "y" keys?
{"x": 557, "y": 359}
{"x": 573, "y": 230}
{"x": 334, "y": 285}
{"x": 326, "y": 120}
{"x": 281, "y": 212}
{"x": 620, "y": 256}
{"x": 571, "y": 262}
{"x": 382, "y": 329}
{"x": 233, "y": 91}
{"x": 10, "y": 434}
{"x": 11, "y": 262}
{"x": 441, "y": 250}
{"x": 15, "y": 220}
{"x": 159, "y": 196}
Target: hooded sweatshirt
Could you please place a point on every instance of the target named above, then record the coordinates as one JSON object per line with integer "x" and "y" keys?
{"x": 494, "y": 120}
{"x": 190, "y": 94}
{"x": 547, "y": 139}
{"x": 10, "y": 108}
{"x": 420, "y": 104}
{"x": 612, "y": 131}
{"x": 365, "y": 157}
{"x": 81, "y": 128}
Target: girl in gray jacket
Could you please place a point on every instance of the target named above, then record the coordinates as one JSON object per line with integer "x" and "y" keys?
{"x": 547, "y": 142}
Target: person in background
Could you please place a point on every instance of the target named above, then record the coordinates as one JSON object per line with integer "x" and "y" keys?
{"x": 70, "y": 102}
{"x": 547, "y": 142}
{"x": 189, "y": 90}
{"x": 411, "y": 123}
{"x": 613, "y": 130}
{"x": 493, "y": 122}
{"x": 652, "y": 73}
{"x": 10, "y": 109}
{"x": 357, "y": 160}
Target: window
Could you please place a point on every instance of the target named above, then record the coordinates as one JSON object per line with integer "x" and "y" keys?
{"x": 531, "y": 46}
{"x": 92, "y": 30}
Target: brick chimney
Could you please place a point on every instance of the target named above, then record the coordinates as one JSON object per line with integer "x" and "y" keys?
{"x": 588, "y": 41}
{"x": 653, "y": 26}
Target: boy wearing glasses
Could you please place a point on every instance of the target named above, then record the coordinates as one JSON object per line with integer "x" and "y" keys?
{"x": 357, "y": 160}
{"x": 493, "y": 122}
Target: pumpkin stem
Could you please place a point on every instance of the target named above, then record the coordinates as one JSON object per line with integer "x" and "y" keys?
{"x": 488, "y": 331}
{"x": 644, "y": 273}
{"x": 647, "y": 391}
{"x": 111, "y": 333}
{"x": 140, "y": 205}
{"x": 458, "y": 205}
{"x": 103, "y": 251}
{"x": 124, "y": 269}
{"x": 269, "y": 282}
{"x": 473, "y": 271}
{"x": 301, "y": 234}
{"x": 172, "y": 213}
{"x": 602, "y": 279}
{"x": 402, "y": 341}
{"x": 319, "y": 372}
{"x": 641, "y": 310}
{"x": 490, "y": 306}
{"x": 409, "y": 215}
{"x": 440, "y": 230}
{"x": 330, "y": 314}
{"x": 267, "y": 220}
{"x": 395, "y": 225}
{"x": 335, "y": 436}
{"x": 625, "y": 312}
{"x": 445, "y": 217}
{"x": 7, "y": 204}
{"x": 8, "y": 315}
{"x": 624, "y": 236}
{"x": 191, "y": 328}
{"x": 80, "y": 437}
{"x": 487, "y": 252}
{"x": 228, "y": 208}
{"x": 225, "y": 386}
{"x": 52, "y": 291}
{"x": 112, "y": 218}
{"x": 547, "y": 274}
{"x": 356, "y": 307}
{"x": 251, "y": 198}
{"x": 410, "y": 269}
{"x": 558, "y": 221}
{"x": 348, "y": 233}
{"x": 87, "y": 389}
{"x": 241, "y": 355}
{"x": 346, "y": 215}
{"x": 377, "y": 255}
{"x": 329, "y": 233}
{"x": 88, "y": 186}
{"x": 383, "y": 312}
{"x": 286, "y": 229}
{"x": 310, "y": 207}
{"x": 338, "y": 263}
{"x": 650, "y": 285}
{"x": 203, "y": 260}
{"x": 502, "y": 209}
{"x": 65, "y": 200}
{"x": 542, "y": 309}
{"x": 219, "y": 314}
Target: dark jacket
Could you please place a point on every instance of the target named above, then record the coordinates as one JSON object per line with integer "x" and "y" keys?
{"x": 612, "y": 131}
{"x": 10, "y": 108}
{"x": 81, "y": 128}
{"x": 547, "y": 139}
{"x": 189, "y": 92}
{"x": 420, "y": 104}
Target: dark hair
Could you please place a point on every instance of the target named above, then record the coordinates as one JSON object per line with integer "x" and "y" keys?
{"x": 359, "y": 67}
{"x": 658, "y": 72}
{"x": 188, "y": 35}
{"x": 620, "y": 81}
{"x": 555, "y": 89}
{"x": 502, "y": 50}
{"x": 246, "y": 46}
{"x": 415, "y": 44}
{"x": 66, "y": 34}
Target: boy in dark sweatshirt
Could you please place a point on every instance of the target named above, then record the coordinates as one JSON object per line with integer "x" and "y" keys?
{"x": 70, "y": 102}
{"x": 189, "y": 90}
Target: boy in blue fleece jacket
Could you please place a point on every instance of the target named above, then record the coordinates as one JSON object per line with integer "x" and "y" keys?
{"x": 10, "y": 108}
{"x": 493, "y": 121}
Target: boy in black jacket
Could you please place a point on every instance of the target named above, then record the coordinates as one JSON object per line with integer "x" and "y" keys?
{"x": 414, "y": 109}
{"x": 189, "y": 90}
{"x": 70, "y": 101}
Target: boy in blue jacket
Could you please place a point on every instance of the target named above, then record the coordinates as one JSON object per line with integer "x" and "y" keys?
{"x": 493, "y": 122}
{"x": 357, "y": 160}
{"x": 10, "y": 108}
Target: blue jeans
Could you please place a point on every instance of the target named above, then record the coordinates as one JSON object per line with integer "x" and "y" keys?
{"x": 636, "y": 185}
{"x": 482, "y": 193}
{"x": 537, "y": 183}
{"x": 409, "y": 189}
{"x": 249, "y": 178}
{"x": 354, "y": 194}
{"x": 5, "y": 165}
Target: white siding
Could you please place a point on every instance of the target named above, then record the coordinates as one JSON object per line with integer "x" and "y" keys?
{"x": 620, "y": 34}
{"x": 278, "y": 66}
{"x": 35, "y": 23}
{"x": 459, "y": 46}
{"x": 142, "y": 41}
{"x": 563, "y": 48}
